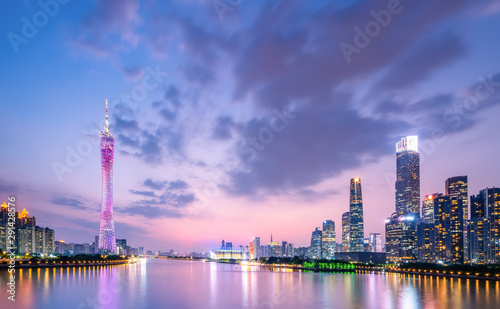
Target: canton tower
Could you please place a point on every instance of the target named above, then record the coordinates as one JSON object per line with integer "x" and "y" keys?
{"x": 107, "y": 239}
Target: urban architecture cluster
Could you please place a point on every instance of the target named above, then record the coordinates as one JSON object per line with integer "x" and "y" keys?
{"x": 441, "y": 230}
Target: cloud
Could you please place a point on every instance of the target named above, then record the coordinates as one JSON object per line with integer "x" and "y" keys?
{"x": 319, "y": 143}
{"x": 422, "y": 61}
{"x": 143, "y": 193}
{"x": 151, "y": 212}
{"x": 71, "y": 202}
{"x": 178, "y": 184}
{"x": 155, "y": 185}
{"x": 110, "y": 28}
{"x": 222, "y": 129}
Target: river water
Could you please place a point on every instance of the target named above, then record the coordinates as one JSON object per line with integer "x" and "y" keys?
{"x": 194, "y": 284}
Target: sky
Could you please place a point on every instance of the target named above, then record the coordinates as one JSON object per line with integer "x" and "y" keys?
{"x": 236, "y": 119}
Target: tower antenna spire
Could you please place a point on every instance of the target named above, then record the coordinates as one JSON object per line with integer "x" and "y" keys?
{"x": 106, "y": 126}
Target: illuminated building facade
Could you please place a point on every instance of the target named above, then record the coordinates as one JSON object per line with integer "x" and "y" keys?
{"x": 448, "y": 220}
{"x": 375, "y": 242}
{"x": 428, "y": 207}
{"x": 316, "y": 244}
{"x": 255, "y": 248}
{"x": 107, "y": 239}
{"x": 356, "y": 234}
{"x": 346, "y": 229}
{"x": 408, "y": 176}
{"x": 484, "y": 227}
{"x": 426, "y": 242}
{"x": 328, "y": 240}
{"x": 400, "y": 238}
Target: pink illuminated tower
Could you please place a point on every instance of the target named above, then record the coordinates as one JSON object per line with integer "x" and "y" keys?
{"x": 107, "y": 239}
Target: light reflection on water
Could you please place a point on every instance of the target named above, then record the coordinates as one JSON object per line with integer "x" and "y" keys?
{"x": 192, "y": 284}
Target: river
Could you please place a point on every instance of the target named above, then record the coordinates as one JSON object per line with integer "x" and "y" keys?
{"x": 194, "y": 284}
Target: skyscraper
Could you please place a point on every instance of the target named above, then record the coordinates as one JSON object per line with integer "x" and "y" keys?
{"x": 457, "y": 187}
{"x": 408, "y": 176}
{"x": 356, "y": 234}
{"x": 328, "y": 242}
{"x": 428, "y": 207}
{"x": 375, "y": 242}
{"x": 316, "y": 241}
{"x": 107, "y": 239}
{"x": 346, "y": 229}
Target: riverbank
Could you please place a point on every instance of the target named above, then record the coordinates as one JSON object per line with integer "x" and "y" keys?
{"x": 447, "y": 274}
{"x": 4, "y": 264}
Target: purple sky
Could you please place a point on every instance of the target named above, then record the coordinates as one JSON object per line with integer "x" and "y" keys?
{"x": 243, "y": 118}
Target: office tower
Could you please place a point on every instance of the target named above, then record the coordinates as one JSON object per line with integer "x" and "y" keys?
{"x": 346, "y": 229}
{"x": 356, "y": 234}
{"x": 485, "y": 227}
{"x": 408, "y": 176}
{"x": 274, "y": 248}
{"x": 400, "y": 237}
{"x": 448, "y": 220}
{"x": 477, "y": 239}
{"x": 284, "y": 248}
{"x": 121, "y": 246}
{"x": 457, "y": 187}
{"x": 428, "y": 207}
{"x": 316, "y": 239}
{"x": 255, "y": 248}
{"x": 290, "y": 250}
{"x": 426, "y": 242}
{"x": 375, "y": 242}
{"x": 328, "y": 241}
{"x": 107, "y": 240}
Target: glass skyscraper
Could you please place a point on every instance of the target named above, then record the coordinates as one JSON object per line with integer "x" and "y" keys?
{"x": 408, "y": 176}
{"x": 328, "y": 242}
{"x": 316, "y": 244}
{"x": 107, "y": 239}
{"x": 356, "y": 234}
{"x": 346, "y": 223}
{"x": 457, "y": 187}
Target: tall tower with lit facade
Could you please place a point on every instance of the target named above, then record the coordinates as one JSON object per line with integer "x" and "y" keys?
{"x": 107, "y": 239}
{"x": 408, "y": 176}
{"x": 356, "y": 234}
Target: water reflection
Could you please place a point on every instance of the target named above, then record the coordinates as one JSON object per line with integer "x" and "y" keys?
{"x": 181, "y": 284}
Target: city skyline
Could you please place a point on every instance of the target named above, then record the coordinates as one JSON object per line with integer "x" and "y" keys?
{"x": 217, "y": 138}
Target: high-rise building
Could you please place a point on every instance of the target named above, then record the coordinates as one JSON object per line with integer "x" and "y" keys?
{"x": 346, "y": 229}
{"x": 408, "y": 176}
{"x": 400, "y": 237}
{"x": 375, "y": 242}
{"x": 36, "y": 240}
{"x": 121, "y": 246}
{"x": 255, "y": 248}
{"x": 448, "y": 221}
{"x": 484, "y": 227}
{"x": 316, "y": 244}
{"x": 356, "y": 234}
{"x": 107, "y": 239}
{"x": 457, "y": 187}
{"x": 428, "y": 207}
{"x": 328, "y": 242}
{"x": 284, "y": 248}
{"x": 426, "y": 242}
